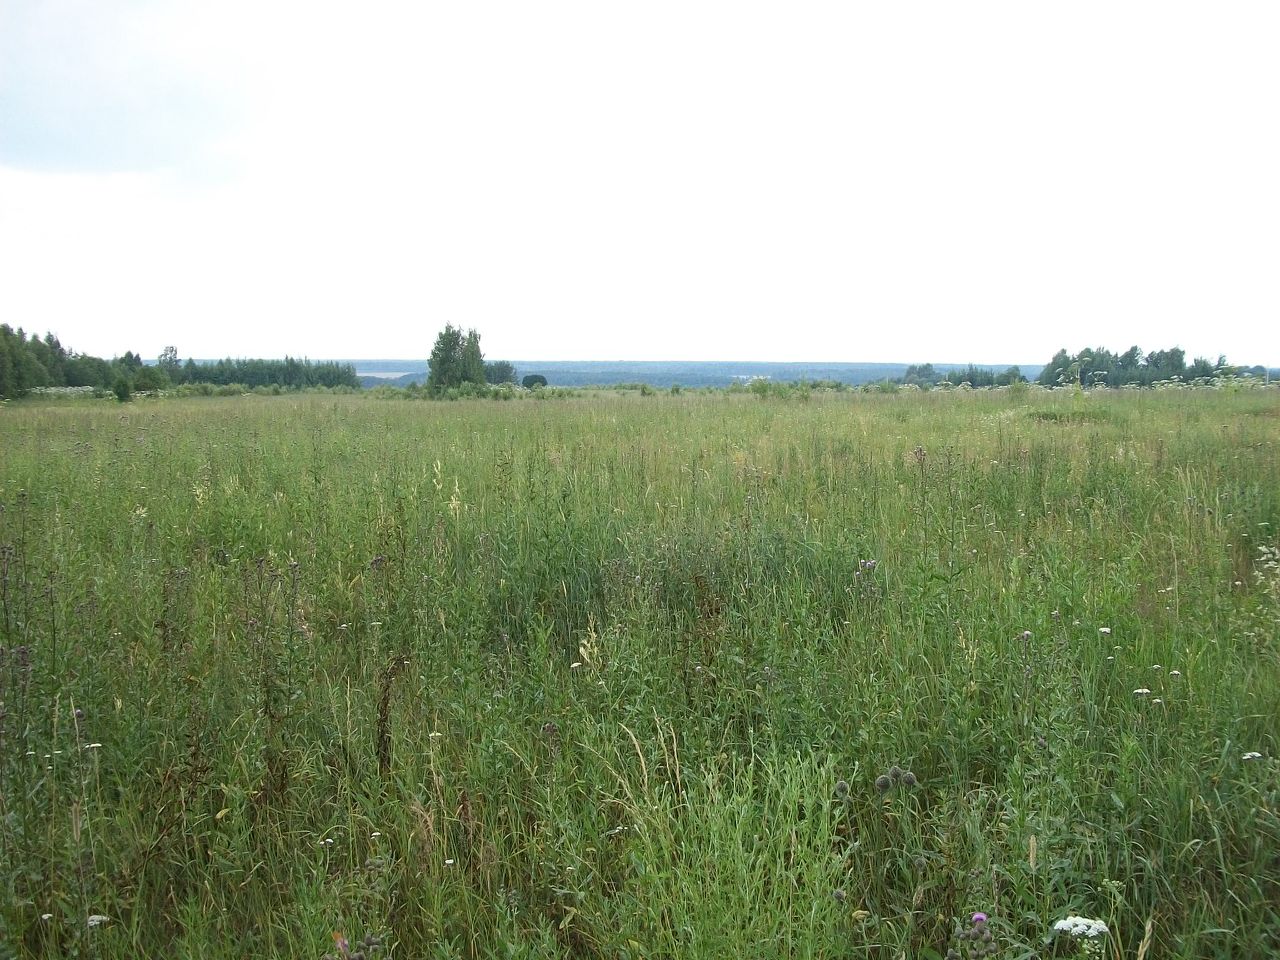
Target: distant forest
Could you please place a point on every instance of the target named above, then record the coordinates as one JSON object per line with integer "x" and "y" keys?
{"x": 27, "y": 363}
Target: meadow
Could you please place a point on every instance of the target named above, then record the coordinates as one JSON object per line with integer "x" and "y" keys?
{"x": 696, "y": 676}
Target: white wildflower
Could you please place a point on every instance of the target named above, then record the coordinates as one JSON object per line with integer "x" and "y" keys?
{"x": 1105, "y": 631}
{"x": 97, "y": 919}
{"x": 1252, "y": 755}
{"x": 1081, "y": 927}
{"x": 1141, "y": 692}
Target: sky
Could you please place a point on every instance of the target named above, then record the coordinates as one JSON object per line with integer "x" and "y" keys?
{"x": 691, "y": 180}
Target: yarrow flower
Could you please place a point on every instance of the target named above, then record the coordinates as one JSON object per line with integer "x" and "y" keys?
{"x": 1141, "y": 692}
{"x": 1252, "y": 755}
{"x": 1081, "y": 927}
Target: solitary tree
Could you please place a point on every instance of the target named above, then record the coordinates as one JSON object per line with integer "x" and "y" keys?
{"x": 446, "y": 359}
{"x": 455, "y": 359}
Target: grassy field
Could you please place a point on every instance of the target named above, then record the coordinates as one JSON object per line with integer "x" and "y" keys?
{"x": 703, "y": 676}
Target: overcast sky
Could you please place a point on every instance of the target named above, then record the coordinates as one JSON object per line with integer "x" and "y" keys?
{"x": 879, "y": 181}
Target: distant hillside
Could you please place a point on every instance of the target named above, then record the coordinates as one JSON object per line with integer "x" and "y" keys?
{"x": 665, "y": 373}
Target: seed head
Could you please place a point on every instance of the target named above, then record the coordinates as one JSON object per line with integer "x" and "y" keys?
{"x": 909, "y": 779}
{"x": 883, "y": 784}
{"x": 842, "y": 788}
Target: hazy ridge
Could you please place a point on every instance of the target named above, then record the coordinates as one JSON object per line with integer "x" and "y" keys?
{"x": 665, "y": 373}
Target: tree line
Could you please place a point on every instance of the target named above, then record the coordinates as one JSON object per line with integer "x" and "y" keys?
{"x": 924, "y": 375}
{"x": 30, "y": 362}
{"x": 1098, "y": 366}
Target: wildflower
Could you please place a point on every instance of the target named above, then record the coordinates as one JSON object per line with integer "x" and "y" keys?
{"x": 1105, "y": 631}
{"x": 909, "y": 779}
{"x": 895, "y": 773}
{"x": 974, "y": 942}
{"x": 842, "y": 788}
{"x": 1175, "y": 673}
{"x": 1252, "y": 755}
{"x": 1156, "y": 700}
{"x": 1081, "y": 927}
{"x": 839, "y": 895}
{"x": 97, "y": 919}
{"x": 1141, "y": 692}
{"x": 883, "y": 783}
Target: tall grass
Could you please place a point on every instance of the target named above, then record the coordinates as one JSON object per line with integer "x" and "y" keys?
{"x": 616, "y": 678}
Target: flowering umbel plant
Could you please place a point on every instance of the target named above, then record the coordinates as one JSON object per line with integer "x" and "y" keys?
{"x": 1089, "y": 933}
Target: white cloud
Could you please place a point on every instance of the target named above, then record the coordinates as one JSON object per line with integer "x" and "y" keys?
{"x": 865, "y": 182}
